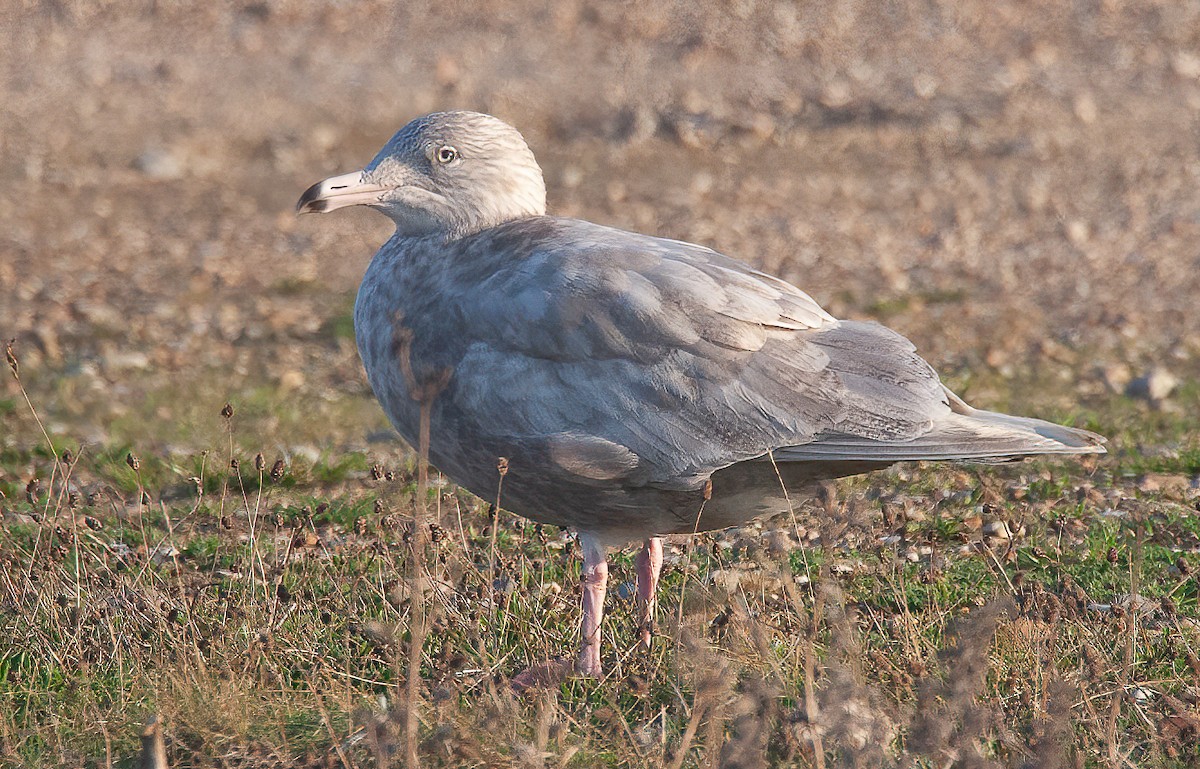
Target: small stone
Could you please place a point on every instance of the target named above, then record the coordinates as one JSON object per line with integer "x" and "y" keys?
{"x": 727, "y": 579}
{"x": 1174, "y": 485}
{"x": 925, "y": 86}
{"x": 291, "y": 380}
{"x": 164, "y": 553}
{"x": 572, "y": 177}
{"x": 121, "y": 360}
{"x": 1186, "y": 64}
{"x": 1078, "y": 232}
{"x": 1085, "y": 108}
{"x": 779, "y": 542}
{"x": 159, "y": 164}
{"x": 1116, "y": 377}
{"x": 447, "y": 72}
{"x": 999, "y": 529}
{"x": 1156, "y": 385}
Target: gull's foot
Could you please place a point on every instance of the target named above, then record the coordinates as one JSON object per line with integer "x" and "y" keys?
{"x": 647, "y": 632}
{"x": 543, "y": 675}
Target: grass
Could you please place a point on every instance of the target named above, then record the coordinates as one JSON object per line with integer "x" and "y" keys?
{"x": 1037, "y": 614}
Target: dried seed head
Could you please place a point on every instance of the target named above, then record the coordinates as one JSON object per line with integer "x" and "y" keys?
{"x": 73, "y": 500}
{"x": 390, "y": 475}
{"x": 133, "y": 461}
{"x": 93, "y": 523}
{"x": 12, "y": 357}
{"x": 227, "y": 411}
{"x": 32, "y": 489}
{"x": 260, "y": 462}
{"x": 502, "y": 466}
{"x": 360, "y": 526}
{"x": 1113, "y": 555}
{"x": 234, "y": 464}
{"x": 379, "y": 508}
{"x": 277, "y": 470}
{"x": 376, "y": 472}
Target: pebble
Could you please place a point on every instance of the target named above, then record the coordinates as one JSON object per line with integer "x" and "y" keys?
{"x": 1155, "y": 385}
{"x": 291, "y": 380}
{"x": 1164, "y": 482}
{"x": 159, "y": 164}
{"x": 124, "y": 360}
{"x": 164, "y": 553}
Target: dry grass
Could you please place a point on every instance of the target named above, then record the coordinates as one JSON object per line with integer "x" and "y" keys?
{"x": 1010, "y": 183}
{"x": 978, "y": 617}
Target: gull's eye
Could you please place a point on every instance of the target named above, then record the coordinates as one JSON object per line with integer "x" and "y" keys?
{"x": 446, "y": 154}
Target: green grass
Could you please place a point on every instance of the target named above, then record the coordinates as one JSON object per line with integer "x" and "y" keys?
{"x": 285, "y": 616}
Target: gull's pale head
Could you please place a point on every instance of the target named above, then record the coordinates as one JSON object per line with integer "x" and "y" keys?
{"x": 448, "y": 172}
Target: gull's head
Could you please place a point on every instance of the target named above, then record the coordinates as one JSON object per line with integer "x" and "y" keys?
{"x": 449, "y": 172}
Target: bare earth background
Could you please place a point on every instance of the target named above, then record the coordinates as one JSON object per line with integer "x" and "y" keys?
{"x": 1013, "y": 185}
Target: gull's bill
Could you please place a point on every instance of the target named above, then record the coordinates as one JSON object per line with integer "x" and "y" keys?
{"x": 339, "y": 192}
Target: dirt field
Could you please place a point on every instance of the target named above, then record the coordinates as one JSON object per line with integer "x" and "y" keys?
{"x": 1013, "y": 185}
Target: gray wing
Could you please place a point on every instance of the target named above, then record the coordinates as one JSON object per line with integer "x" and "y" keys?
{"x": 619, "y": 356}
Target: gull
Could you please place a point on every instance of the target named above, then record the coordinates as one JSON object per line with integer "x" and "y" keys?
{"x": 634, "y": 386}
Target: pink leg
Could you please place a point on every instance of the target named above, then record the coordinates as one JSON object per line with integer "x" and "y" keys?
{"x": 595, "y": 584}
{"x": 649, "y": 566}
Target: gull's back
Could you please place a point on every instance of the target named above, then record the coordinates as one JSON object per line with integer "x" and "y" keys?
{"x": 623, "y": 373}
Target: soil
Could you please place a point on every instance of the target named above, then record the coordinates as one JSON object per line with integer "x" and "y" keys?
{"x": 1013, "y": 185}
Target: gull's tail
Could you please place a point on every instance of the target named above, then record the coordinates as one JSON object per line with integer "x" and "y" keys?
{"x": 964, "y": 434}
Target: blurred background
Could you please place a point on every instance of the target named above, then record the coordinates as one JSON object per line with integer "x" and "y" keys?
{"x": 1011, "y": 183}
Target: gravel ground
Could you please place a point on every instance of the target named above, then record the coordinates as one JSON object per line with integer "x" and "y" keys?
{"x": 1011, "y": 184}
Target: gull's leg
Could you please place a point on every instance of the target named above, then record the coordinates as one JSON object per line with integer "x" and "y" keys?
{"x": 649, "y": 566}
{"x": 595, "y": 585}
